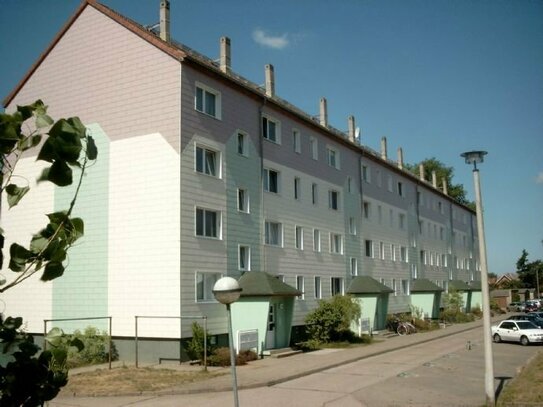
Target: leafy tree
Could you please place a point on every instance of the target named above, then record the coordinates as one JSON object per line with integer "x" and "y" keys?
{"x": 28, "y": 377}
{"x": 332, "y": 319}
{"x": 529, "y": 271}
{"x": 455, "y": 191}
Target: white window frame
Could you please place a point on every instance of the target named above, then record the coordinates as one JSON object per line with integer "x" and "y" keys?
{"x": 297, "y": 188}
{"x": 404, "y": 254}
{"x": 218, "y": 223}
{"x": 244, "y": 144}
{"x": 366, "y": 209}
{"x": 393, "y": 252}
{"x": 414, "y": 271}
{"x": 207, "y": 292}
{"x": 314, "y": 193}
{"x": 243, "y": 201}
{"x": 368, "y": 248}
{"x": 266, "y": 120}
{"x": 401, "y": 189}
{"x": 299, "y": 237}
{"x": 366, "y": 174}
{"x": 405, "y": 287}
{"x": 333, "y": 199}
{"x": 316, "y": 240}
{"x": 203, "y": 169}
{"x": 314, "y": 147}
{"x": 352, "y": 226}
{"x": 218, "y": 100}
{"x": 336, "y": 243}
{"x": 300, "y": 286}
{"x": 382, "y": 250}
{"x": 266, "y": 180}
{"x": 267, "y": 231}
{"x": 297, "y": 141}
{"x": 353, "y": 266}
{"x": 318, "y": 287}
{"x": 333, "y": 157}
{"x": 342, "y": 285}
{"x": 247, "y": 259}
{"x": 401, "y": 221}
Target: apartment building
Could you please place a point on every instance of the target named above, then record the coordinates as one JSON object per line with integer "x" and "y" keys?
{"x": 203, "y": 174}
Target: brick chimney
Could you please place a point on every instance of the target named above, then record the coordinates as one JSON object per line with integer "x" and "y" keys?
{"x": 270, "y": 80}
{"x": 323, "y": 112}
{"x": 225, "y": 54}
{"x": 165, "y": 20}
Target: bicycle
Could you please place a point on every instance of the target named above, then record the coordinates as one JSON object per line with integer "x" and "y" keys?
{"x": 405, "y": 328}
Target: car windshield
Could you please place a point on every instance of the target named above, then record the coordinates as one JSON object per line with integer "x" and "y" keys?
{"x": 526, "y": 325}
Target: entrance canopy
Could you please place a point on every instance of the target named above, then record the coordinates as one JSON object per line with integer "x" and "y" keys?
{"x": 261, "y": 284}
{"x": 367, "y": 285}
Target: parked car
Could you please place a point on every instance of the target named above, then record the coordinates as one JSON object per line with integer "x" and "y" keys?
{"x": 537, "y": 313}
{"x": 530, "y": 306}
{"x": 516, "y": 307}
{"x": 523, "y": 332}
{"x": 535, "y": 319}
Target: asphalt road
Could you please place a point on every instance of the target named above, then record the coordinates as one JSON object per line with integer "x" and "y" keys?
{"x": 445, "y": 372}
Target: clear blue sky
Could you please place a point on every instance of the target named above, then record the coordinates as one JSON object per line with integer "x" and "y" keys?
{"x": 435, "y": 77}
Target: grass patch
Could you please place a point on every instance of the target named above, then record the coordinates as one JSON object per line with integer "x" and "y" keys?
{"x": 129, "y": 380}
{"x": 527, "y": 388}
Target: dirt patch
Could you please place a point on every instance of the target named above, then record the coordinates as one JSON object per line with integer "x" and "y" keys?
{"x": 130, "y": 381}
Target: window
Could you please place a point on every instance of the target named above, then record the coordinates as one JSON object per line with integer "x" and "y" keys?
{"x": 366, "y": 209}
{"x": 336, "y": 286}
{"x": 299, "y": 237}
{"x": 243, "y": 200}
{"x": 395, "y": 287}
{"x": 403, "y": 254}
{"x": 314, "y": 148}
{"x": 314, "y": 193}
{"x": 441, "y": 233}
{"x": 271, "y": 181}
{"x": 296, "y": 141}
{"x": 354, "y": 266}
{"x": 393, "y": 252}
{"x": 273, "y": 233}
{"x": 296, "y": 188}
{"x": 400, "y": 189}
{"x": 366, "y": 177}
{"x": 440, "y": 207}
{"x": 244, "y": 258}
{"x": 208, "y": 101}
{"x": 349, "y": 185}
{"x": 271, "y": 130}
{"x": 318, "y": 291}
{"x": 391, "y": 217}
{"x": 204, "y": 286}
{"x": 333, "y": 157}
{"x": 369, "y": 248}
{"x": 300, "y": 283}
{"x": 414, "y": 272}
{"x": 352, "y": 226}
{"x": 423, "y": 257}
{"x": 243, "y": 148}
{"x": 405, "y": 287}
{"x": 380, "y": 214}
{"x": 207, "y": 161}
{"x": 381, "y": 250}
{"x": 336, "y": 243}
{"x": 333, "y": 199}
{"x": 208, "y": 223}
{"x": 316, "y": 240}
{"x": 401, "y": 221}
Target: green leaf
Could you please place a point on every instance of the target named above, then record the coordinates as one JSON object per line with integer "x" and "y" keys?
{"x": 52, "y": 271}
{"x": 59, "y": 355}
{"x": 67, "y": 135}
{"x": 79, "y": 127}
{"x": 38, "y": 243}
{"x": 60, "y": 174}
{"x": 56, "y": 218}
{"x": 29, "y": 142}
{"x": 92, "y": 151}
{"x": 77, "y": 343}
{"x": 15, "y": 194}
{"x": 43, "y": 121}
{"x": 77, "y": 229}
{"x": 19, "y": 257}
{"x": 54, "y": 336}
{"x": 48, "y": 151}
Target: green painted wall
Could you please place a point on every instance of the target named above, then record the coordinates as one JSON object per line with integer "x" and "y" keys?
{"x": 425, "y": 302}
{"x": 82, "y": 291}
{"x": 476, "y": 300}
{"x": 368, "y": 308}
{"x": 284, "y": 311}
{"x": 251, "y": 313}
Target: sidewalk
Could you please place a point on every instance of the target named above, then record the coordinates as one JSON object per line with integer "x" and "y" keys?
{"x": 271, "y": 371}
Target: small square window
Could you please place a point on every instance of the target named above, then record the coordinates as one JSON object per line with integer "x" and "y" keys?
{"x": 366, "y": 209}
{"x": 271, "y": 130}
{"x": 208, "y": 223}
{"x": 243, "y": 147}
{"x": 336, "y": 243}
{"x": 204, "y": 286}
{"x": 273, "y": 233}
{"x": 333, "y": 200}
{"x": 336, "y": 284}
{"x": 369, "y": 248}
{"x": 271, "y": 181}
{"x": 333, "y": 157}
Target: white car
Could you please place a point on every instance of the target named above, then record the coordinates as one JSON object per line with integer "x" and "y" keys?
{"x": 524, "y": 332}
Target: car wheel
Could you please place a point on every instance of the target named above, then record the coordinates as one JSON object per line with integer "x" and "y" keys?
{"x": 524, "y": 341}
{"x": 497, "y": 338}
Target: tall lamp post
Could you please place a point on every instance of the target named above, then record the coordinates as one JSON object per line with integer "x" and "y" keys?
{"x": 227, "y": 291}
{"x": 475, "y": 157}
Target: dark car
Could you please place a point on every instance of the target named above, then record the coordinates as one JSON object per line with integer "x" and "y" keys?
{"x": 530, "y": 306}
{"x": 528, "y": 317}
{"x": 537, "y": 313}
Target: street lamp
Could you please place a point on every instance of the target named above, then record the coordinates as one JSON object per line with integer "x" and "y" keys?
{"x": 475, "y": 157}
{"x": 227, "y": 291}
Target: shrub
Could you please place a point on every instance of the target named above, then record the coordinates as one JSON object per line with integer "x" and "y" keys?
{"x": 332, "y": 319}
{"x": 95, "y": 351}
{"x": 221, "y": 357}
{"x": 195, "y": 347}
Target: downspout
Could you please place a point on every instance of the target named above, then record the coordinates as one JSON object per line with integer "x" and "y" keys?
{"x": 263, "y": 259}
